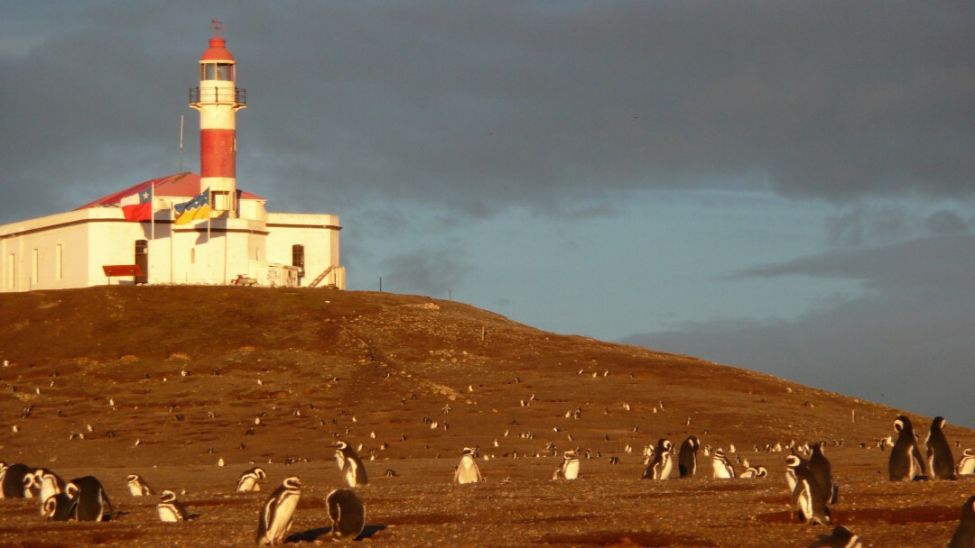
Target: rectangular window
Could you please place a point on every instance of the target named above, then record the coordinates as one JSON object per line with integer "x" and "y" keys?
{"x": 209, "y": 71}
{"x": 58, "y": 271}
{"x": 192, "y": 255}
{"x": 34, "y": 263}
{"x": 221, "y": 200}
{"x": 225, "y": 71}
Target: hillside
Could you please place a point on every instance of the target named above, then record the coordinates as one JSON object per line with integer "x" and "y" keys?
{"x": 166, "y": 380}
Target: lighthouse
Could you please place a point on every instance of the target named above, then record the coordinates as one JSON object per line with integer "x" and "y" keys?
{"x": 218, "y": 99}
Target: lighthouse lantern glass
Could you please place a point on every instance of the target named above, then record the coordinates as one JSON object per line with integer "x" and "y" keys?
{"x": 217, "y": 71}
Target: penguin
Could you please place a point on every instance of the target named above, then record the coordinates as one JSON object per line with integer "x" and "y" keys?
{"x": 905, "y": 461}
{"x": 138, "y": 486}
{"x": 569, "y": 470}
{"x": 753, "y": 472}
{"x": 90, "y": 500}
{"x": 720, "y": 466}
{"x": 841, "y": 537}
{"x": 347, "y": 513}
{"x": 50, "y": 485}
{"x": 941, "y": 463}
{"x": 12, "y": 484}
{"x": 171, "y": 510}
{"x": 822, "y": 471}
{"x": 32, "y": 485}
{"x": 59, "y": 507}
{"x": 687, "y": 458}
{"x": 467, "y": 471}
{"x": 278, "y": 512}
{"x": 250, "y": 480}
{"x": 353, "y": 470}
{"x": 808, "y": 497}
{"x": 662, "y": 463}
{"x": 966, "y": 466}
{"x": 964, "y": 536}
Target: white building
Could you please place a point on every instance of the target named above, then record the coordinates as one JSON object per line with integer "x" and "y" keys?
{"x": 231, "y": 236}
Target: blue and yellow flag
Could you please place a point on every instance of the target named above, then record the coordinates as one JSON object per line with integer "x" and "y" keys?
{"x": 197, "y": 209}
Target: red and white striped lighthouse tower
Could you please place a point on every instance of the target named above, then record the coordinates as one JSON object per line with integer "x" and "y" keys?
{"x": 218, "y": 99}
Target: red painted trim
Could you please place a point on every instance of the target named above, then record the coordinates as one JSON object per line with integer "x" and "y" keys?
{"x": 217, "y": 155}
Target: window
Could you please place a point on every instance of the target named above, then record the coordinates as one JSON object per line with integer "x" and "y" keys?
{"x": 221, "y": 200}
{"x": 192, "y": 255}
{"x": 225, "y": 71}
{"x": 298, "y": 256}
{"x": 58, "y": 272}
{"x": 217, "y": 71}
{"x": 34, "y": 260}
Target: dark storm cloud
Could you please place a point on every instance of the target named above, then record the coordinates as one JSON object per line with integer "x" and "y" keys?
{"x": 481, "y": 105}
{"x": 431, "y": 272}
{"x": 905, "y": 341}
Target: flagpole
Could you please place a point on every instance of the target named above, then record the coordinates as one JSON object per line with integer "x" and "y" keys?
{"x": 152, "y": 225}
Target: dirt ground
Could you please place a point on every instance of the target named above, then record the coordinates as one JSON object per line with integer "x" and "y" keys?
{"x": 164, "y": 381}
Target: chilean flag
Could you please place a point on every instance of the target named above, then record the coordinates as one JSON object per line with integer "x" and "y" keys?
{"x": 141, "y": 211}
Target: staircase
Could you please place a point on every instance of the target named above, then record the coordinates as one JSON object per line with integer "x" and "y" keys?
{"x": 318, "y": 280}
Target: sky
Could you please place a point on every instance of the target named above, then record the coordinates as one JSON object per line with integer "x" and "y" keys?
{"x": 782, "y": 186}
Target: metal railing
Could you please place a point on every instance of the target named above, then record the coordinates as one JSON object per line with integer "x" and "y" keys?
{"x": 216, "y": 94}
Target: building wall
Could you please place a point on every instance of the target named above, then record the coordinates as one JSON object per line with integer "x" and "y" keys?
{"x": 69, "y": 249}
{"x": 318, "y": 234}
{"x": 34, "y": 258}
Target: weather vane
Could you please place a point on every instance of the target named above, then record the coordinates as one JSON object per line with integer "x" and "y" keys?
{"x": 216, "y": 26}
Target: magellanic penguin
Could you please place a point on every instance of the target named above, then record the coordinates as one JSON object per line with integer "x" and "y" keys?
{"x": 347, "y": 513}
{"x": 278, "y": 512}
{"x": 250, "y": 480}
{"x": 91, "y": 501}
{"x": 12, "y": 484}
{"x": 569, "y": 470}
{"x": 138, "y": 486}
{"x": 941, "y": 463}
{"x": 720, "y": 466}
{"x": 687, "y": 458}
{"x": 822, "y": 471}
{"x": 467, "y": 471}
{"x": 350, "y": 464}
{"x": 966, "y": 466}
{"x": 808, "y": 497}
{"x": 171, "y": 510}
{"x": 964, "y": 536}
{"x": 59, "y": 507}
{"x": 841, "y": 537}
{"x": 50, "y": 485}
{"x": 905, "y": 461}
{"x": 754, "y": 472}
{"x": 663, "y": 461}
{"x": 32, "y": 485}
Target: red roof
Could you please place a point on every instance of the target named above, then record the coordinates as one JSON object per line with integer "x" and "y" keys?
{"x": 217, "y": 51}
{"x": 176, "y": 184}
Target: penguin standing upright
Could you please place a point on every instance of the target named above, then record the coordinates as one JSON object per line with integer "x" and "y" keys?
{"x": 138, "y": 486}
{"x": 250, "y": 480}
{"x": 347, "y": 513}
{"x": 687, "y": 458}
{"x": 467, "y": 471}
{"x": 821, "y": 469}
{"x": 662, "y": 463}
{"x": 964, "y": 536}
{"x": 171, "y": 510}
{"x": 353, "y": 470}
{"x": 51, "y": 485}
{"x": 808, "y": 497}
{"x": 278, "y": 512}
{"x": 905, "y": 461}
{"x": 12, "y": 484}
{"x": 966, "y": 466}
{"x": 941, "y": 463}
{"x": 792, "y": 465}
{"x": 720, "y": 466}
{"x": 91, "y": 501}
{"x": 569, "y": 469}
